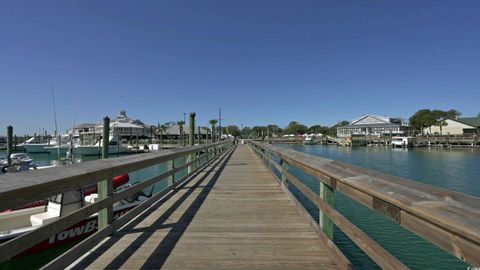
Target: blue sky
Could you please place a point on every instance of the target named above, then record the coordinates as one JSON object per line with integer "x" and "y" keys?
{"x": 263, "y": 62}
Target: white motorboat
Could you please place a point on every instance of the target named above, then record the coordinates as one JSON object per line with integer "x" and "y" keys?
{"x": 19, "y": 162}
{"x": 399, "y": 141}
{"x": 31, "y": 146}
{"x": 36, "y": 147}
{"x": 114, "y": 147}
{"x": 14, "y": 223}
{"x": 310, "y": 139}
{"x": 55, "y": 150}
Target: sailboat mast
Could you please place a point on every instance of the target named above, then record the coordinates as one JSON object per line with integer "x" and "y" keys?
{"x": 56, "y": 127}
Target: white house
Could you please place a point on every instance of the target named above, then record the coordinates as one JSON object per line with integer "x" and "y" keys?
{"x": 457, "y": 126}
{"x": 373, "y": 125}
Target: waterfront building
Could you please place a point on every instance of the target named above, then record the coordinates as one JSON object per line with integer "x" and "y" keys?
{"x": 173, "y": 132}
{"x": 459, "y": 126}
{"x": 122, "y": 126}
{"x": 374, "y": 125}
{"x": 82, "y": 129}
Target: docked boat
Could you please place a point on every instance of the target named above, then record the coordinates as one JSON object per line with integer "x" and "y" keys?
{"x": 31, "y": 146}
{"x": 403, "y": 142}
{"x": 58, "y": 150}
{"x": 15, "y": 223}
{"x": 35, "y": 147}
{"x": 19, "y": 162}
{"x": 114, "y": 147}
{"x": 310, "y": 140}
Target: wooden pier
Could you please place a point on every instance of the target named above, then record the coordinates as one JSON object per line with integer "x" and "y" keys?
{"x": 232, "y": 215}
{"x": 234, "y": 210}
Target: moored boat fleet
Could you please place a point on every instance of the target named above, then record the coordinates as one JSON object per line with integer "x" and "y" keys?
{"x": 30, "y": 216}
{"x": 62, "y": 145}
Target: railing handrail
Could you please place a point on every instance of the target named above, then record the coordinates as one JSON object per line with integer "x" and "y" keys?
{"x": 41, "y": 184}
{"x": 448, "y": 219}
{"x": 23, "y": 242}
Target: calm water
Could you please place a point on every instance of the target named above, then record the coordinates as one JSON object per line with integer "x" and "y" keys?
{"x": 454, "y": 169}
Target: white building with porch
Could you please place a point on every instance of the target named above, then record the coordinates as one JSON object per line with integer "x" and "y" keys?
{"x": 375, "y": 125}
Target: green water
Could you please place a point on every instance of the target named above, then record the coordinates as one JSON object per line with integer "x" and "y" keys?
{"x": 454, "y": 169}
{"x": 36, "y": 260}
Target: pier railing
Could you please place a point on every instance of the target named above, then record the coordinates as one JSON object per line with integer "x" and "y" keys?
{"x": 24, "y": 187}
{"x": 448, "y": 219}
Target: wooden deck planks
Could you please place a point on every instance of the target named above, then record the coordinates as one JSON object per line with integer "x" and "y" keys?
{"x": 235, "y": 217}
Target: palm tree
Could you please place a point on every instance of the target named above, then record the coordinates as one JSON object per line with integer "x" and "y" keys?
{"x": 182, "y": 136}
{"x": 213, "y": 122}
{"x": 160, "y": 130}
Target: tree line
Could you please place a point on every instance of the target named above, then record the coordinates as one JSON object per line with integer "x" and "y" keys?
{"x": 273, "y": 130}
{"x": 422, "y": 119}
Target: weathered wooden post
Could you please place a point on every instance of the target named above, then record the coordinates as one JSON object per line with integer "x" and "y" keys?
{"x": 191, "y": 140}
{"x": 171, "y": 166}
{"x": 285, "y": 167}
{"x": 270, "y": 160}
{"x": 15, "y": 143}
{"x": 199, "y": 136}
{"x": 105, "y": 188}
{"x": 326, "y": 194}
{"x": 9, "y": 144}
{"x": 182, "y": 136}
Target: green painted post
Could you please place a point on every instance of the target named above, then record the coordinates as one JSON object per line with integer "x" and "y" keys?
{"x": 15, "y": 143}
{"x": 270, "y": 161}
{"x": 326, "y": 194}
{"x": 199, "y": 136}
{"x": 191, "y": 140}
{"x": 285, "y": 167}
{"x": 171, "y": 166}
{"x": 105, "y": 188}
{"x": 9, "y": 144}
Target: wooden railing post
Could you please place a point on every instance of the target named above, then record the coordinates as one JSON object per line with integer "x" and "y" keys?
{"x": 285, "y": 167}
{"x": 170, "y": 167}
{"x": 105, "y": 187}
{"x": 9, "y": 144}
{"x": 326, "y": 194}
{"x": 270, "y": 160}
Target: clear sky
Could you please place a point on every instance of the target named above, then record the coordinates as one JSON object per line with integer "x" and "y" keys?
{"x": 263, "y": 62}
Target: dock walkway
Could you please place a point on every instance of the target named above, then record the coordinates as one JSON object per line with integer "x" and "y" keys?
{"x": 231, "y": 215}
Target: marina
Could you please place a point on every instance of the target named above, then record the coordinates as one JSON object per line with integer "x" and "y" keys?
{"x": 262, "y": 135}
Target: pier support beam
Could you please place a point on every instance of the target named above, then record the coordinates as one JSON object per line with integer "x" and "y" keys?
{"x": 326, "y": 194}
{"x": 105, "y": 187}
